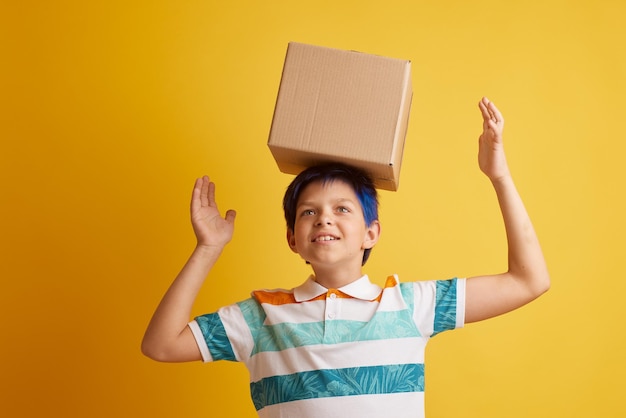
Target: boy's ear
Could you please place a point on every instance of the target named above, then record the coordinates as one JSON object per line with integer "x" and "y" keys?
{"x": 372, "y": 234}
{"x": 291, "y": 240}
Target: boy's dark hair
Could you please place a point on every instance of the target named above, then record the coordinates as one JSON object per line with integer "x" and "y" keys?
{"x": 356, "y": 178}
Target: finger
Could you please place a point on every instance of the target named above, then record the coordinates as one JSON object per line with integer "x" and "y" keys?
{"x": 484, "y": 109}
{"x": 196, "y": 195}
{"x": 490, "y": 110}
{"x": 487, "y": 112}
{"x": 496, "y": 113}
{"x": 493, "y": 125}
{"x": 230, "y": 216}
{"x": 211, "y": 193}
{"x": 205, "y": 192}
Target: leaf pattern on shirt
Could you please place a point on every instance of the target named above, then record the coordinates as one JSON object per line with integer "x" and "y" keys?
{"x": 341, "y": 382}
{"x": 445, "y": 306}
{"x": 215, "y": 337}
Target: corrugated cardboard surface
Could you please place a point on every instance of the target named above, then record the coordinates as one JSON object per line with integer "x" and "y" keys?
{"x": 347, "y": 106}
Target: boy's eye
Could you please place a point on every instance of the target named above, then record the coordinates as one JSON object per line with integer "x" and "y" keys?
{"x": 308, "y": 212}
{"x": 343, "y": 209}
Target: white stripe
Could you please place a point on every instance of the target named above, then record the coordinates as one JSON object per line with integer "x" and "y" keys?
{"x": 424, "y": 295}
{"x": 395, "y": 405}
{"x": 297, "y": 313}
{"x": 197, "y": 333}
{"x": 347, "y": 308}
{"x": 305, "y": 312}
{"x": 460, "y": 303}
{"x": 237, "y": 330}
{"x": 392, "y": 300}
{"x": 337, "y": 356}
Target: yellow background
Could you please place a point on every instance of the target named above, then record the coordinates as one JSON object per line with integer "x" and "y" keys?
{"x": 110, "y": 109}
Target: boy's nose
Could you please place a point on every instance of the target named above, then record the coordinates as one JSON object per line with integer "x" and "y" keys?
{"x": 324, "y": 219}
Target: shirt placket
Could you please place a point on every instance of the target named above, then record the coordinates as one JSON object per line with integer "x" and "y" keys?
{"x": 332, "y": 313}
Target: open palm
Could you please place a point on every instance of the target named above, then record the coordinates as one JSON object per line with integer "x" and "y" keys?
{"x": 491, "y": 158}
{"x": 210, "y": 227}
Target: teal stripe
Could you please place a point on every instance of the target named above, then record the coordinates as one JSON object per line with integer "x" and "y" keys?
{"x": 215, "y": 336}
{"x": 383, "y": 326}
{"x": 375, "y": 380}
{"x": 408, "y": 294}
{"x": 445, "y": 306}
{"x": 253, "y": 313}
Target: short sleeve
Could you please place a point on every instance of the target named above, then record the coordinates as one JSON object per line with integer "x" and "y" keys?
{"x": 211, "y": 338}
{"x": 438, "y": 305}
{"x": 449, "y": 305}
{"x": 227, "y": 333}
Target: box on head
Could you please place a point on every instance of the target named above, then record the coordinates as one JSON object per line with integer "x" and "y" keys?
{"x": 344, "y": 106}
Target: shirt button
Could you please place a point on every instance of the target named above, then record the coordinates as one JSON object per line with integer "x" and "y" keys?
{"x": 331, "y": 315}
{"x": 333, "y": 296}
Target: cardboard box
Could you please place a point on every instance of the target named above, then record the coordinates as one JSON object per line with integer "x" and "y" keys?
{"x": 346, "y": 106}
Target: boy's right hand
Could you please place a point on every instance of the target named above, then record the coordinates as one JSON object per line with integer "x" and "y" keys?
{"x": 168, "y": 338}
{"x": 210, "y": 228}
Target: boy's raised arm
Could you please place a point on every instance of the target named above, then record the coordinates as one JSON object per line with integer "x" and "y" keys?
{"x": 168, "y": 338}
{"x": 527, "y": 275}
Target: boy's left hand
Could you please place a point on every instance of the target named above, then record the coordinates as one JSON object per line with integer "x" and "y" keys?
{"x": 491, "y": 158}
{"x": 527, "y": 276}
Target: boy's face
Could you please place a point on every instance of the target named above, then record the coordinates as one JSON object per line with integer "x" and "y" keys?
{"x": 330, "y": 229}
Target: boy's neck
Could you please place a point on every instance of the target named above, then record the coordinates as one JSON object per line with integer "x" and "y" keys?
{"x": 335, "y": 278}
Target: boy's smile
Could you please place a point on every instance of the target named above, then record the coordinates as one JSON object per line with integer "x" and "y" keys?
{"x": 330, "y": 231}
{"x": 323, "y": 238}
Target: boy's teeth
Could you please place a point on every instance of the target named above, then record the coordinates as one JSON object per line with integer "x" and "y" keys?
{"x": 326, "y": 238}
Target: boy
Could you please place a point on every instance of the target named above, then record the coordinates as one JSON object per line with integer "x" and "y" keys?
{"x": 339, "y": 345}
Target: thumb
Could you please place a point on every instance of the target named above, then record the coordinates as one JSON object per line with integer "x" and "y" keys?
{"x": 230, "y": 216}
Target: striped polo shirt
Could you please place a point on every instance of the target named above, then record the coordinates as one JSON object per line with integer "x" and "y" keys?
{"x": 356, "y": 351}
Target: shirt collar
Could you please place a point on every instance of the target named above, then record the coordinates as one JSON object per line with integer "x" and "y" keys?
{"x": 361, "y": 288}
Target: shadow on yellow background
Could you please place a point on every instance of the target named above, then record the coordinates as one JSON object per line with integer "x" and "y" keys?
{"x": 109, "y": 110}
